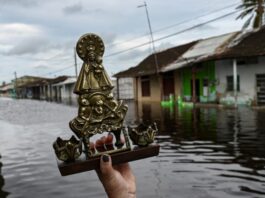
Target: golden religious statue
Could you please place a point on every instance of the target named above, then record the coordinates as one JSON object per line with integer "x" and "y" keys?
{"x": 92, "y": 77}
{"x": 99, "y": 112}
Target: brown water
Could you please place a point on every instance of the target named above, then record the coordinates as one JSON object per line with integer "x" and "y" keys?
{"x": 204, "y": 153}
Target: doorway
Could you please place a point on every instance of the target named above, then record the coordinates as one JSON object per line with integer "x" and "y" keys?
{"x": 197, "y": 90}
{"x": 168, "y": 85}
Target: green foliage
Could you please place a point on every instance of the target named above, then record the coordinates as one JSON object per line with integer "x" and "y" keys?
{"x": 254, "y": 10}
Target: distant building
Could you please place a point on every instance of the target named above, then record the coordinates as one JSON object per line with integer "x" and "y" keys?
{"x": 29, "y": 86}
{"x": 63, "y": 91}
{"x": 59, "y": 89}
{"x": 227, "y": 69}
{"x": 7, "y": 90}
{"x": 150, "y": 84}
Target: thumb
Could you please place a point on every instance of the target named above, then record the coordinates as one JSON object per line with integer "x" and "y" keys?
{"x": 106, "y": 168}
{"x": 112, "y": 181}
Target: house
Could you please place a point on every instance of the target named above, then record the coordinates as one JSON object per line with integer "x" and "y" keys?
{"x": 240, "y": 70}
{"x": 63, "y": 91}
{"x": 227, "y": 69}
{"x": 150, "y": 84}
{"x": 7, "y": 90}
{"x": 28, "y": 86}
{"x": 32, "y": 87}
{"x": 198, "y": 77}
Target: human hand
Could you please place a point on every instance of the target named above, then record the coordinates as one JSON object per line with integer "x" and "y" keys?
{"x": 118, "y": 180}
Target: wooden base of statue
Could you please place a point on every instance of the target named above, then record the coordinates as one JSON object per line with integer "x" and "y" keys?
{"x": 117, "y": 158}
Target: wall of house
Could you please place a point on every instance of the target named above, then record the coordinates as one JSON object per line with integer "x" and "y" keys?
{"x": 178, "y": 83}
{"x": 205, "y": 71}
{"x": 67, "y": 95}
{"x": 155, "y": 90}
{"x": 247, "y": 75}
{"x": 126, "y": 88}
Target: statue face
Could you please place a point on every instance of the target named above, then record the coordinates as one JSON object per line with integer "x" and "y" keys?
{"x": 91, "y": 56}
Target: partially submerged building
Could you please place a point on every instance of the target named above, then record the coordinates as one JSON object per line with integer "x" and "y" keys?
{"x": 63, "y": 91}
{"x": 226, "y": 69}
{"x": 7, "y": 90}
{"x": 59, "y": 89}
{"x": 150, "y": 84}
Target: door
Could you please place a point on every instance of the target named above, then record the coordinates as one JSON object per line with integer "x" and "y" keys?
{"x": 168, "y": 85}
{"x": 197, "y": 90}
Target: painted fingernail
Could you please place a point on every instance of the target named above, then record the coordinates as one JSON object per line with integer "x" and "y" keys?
{"x": 105, "y": 158}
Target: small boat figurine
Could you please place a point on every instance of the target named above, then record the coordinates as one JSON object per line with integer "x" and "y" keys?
{"x": 68, "y": 150}
{"x": 143, "y": 135}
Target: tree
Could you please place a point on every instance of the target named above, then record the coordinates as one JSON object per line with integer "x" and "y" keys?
{"x": 255, "y": 10}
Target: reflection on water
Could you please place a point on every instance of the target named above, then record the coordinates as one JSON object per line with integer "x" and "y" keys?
{"x": 3, "y": 194}
{"x": 205, "y": 152}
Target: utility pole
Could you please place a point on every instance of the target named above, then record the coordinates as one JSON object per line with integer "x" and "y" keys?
{"x": 75, "y": 63}
{"x": 151, "y": 34}
{"x": 153, "y": 47}
{"x": 15, "y": 84}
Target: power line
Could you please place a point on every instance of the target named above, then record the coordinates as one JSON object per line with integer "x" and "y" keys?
{"x": 59, "y": 70}
{"x": 174, "y": 25}
{"x": 155, "y": 40}
{"x": 173, "y": 34}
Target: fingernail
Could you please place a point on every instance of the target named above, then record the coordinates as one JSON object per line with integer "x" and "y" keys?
{"x": 105, "y": 158}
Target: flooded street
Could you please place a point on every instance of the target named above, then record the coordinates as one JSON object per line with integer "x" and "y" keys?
{"x": 205, "y": 152}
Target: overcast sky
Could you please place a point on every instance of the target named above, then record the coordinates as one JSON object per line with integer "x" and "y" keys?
{"x": 37, "y": 37}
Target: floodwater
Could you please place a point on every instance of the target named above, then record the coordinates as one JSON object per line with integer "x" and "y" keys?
{"x": 205, "y": 153}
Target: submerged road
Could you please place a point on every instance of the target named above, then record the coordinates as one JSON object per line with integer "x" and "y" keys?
{"x": 205, "y": 153}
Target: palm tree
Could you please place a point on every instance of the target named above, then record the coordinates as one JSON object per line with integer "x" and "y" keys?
{"x": 255, "y": 10}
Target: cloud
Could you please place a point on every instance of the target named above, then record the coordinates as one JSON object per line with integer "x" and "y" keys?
{"x": 25, "y": 39}
{"x": 163, "y": 46}
{"x": 24, "y": 3}
{"x": 18, "y": 39}
{"x": 13, "y": 32}
{"x": 41, "y": 67}
{"x": 78, "y": 8}
{"x": 31, "y": 45}
{"x": 73, "y": 9}
{"x": 134, "y": 54}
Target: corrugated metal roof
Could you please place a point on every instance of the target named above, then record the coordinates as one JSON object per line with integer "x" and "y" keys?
{"x": 69, "y": 80}
{"x": 201, "y": 49}
{"x": 207, "y": 46}
{"x": 231, "y": 45}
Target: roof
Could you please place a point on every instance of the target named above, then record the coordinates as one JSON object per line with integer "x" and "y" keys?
{"x": 7, "y": 87}
{"x": 247, "y": 44}
{"x": 58, "y": 79}
{"x": 227, "y": 46}
{"x": 147, "y": 66}
{"x": 208, "y": 46}
{"x": 43, "y": 81}
{"x": 69, "y": 80}
{"x": 203, "y": 48}
{"x": 38, "y": 81}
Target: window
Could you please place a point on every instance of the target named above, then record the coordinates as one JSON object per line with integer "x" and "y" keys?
{"x": 145, "y": 82}
{"x": 230, "y": 83}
